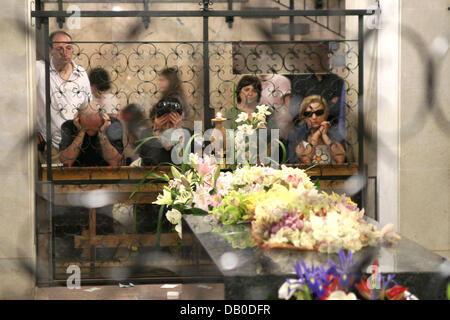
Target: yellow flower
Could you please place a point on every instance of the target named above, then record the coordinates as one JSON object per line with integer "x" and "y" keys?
{"x": 255, "y": 199}
{"x": 164, "y": 199}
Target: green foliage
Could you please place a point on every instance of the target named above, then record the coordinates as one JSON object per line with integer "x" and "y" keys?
{"x": 283, "y": 147}
{"x": 317, "y": 184}
{"x": 159, "y": 227}
{"x": 142, "y": 142}
{"x": 232, "y": 209}
{"x": 186, "y": 152}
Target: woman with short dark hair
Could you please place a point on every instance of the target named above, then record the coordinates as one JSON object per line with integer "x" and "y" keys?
{"x": 248, "y": 95}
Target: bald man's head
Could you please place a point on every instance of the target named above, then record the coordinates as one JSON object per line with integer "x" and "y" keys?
{"x": 91, "y": 118}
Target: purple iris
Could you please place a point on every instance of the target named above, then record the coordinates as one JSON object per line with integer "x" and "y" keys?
{"x": 315, "y": 277}
{"x": 385, "y": 282}
{"x": 345, "y": 270}
{"x": 384, "y": 285}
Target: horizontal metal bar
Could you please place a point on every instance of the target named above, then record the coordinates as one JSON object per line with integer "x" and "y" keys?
{"x": 342, "y": 177}
{"x": 206, "y": 13}
{"x": 134, "y": 1}
{"x": 143, "y": 279}
{"x": 104, "y": 182}
{"x": 211, "y": 41}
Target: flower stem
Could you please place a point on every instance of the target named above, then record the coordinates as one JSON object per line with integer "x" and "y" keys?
{"x": 159, "y": 227}
{"x": 134, "y": 218}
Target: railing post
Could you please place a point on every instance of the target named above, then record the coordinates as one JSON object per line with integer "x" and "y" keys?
{"x": 208, "y": 113}
{"x": 60, "y": 20}
{"x": 362, "y": 166}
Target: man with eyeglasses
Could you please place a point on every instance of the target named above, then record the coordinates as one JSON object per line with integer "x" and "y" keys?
{"x": 69, "y": 89}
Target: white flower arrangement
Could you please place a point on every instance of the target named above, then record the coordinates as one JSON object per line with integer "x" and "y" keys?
{"x": 284, "y": 206}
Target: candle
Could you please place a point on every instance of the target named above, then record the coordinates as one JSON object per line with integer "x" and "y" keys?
{"x": 219, "y": 115}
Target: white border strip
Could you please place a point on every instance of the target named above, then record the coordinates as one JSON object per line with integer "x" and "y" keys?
{"x": 388, "y": 114}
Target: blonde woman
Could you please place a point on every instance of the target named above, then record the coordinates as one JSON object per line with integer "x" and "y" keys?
{"x": 313, "y": 142}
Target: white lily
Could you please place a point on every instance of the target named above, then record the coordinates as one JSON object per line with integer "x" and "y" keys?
{"x": 184, "y": 198}
{"x": 174, "y": 216}
{"x": 263, "y": 109}
{"x": 179, "y": 229}
{"x": 164, "y": 199}
{"x": 243, "y": 116}
{"x": 246, "y": 128}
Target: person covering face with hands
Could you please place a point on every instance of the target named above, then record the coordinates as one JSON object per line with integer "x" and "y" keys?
{"x": 166, "y": 118}
{"x": 91, "y": 139}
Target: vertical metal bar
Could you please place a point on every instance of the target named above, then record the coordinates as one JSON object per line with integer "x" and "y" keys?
{"x": 230, "y": 20}
{"x": 328, "y": 17}
{"x": 60, "y": 19}
{"x": 146, "y": 20}
{"x": 376, "y": 199}
{"x": 38, "y": 7}
{"x": 208, "y": 113}
{"x": 50, "y": 202}
{"x": 291, "y": 22}
{"x": 48, "y": 101}
{"x": 361, "y": 162}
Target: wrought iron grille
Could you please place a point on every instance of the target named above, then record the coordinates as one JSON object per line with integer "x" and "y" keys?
{"x": 207, "y": 70}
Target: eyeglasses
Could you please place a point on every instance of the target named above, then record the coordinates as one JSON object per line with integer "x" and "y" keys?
{"x": 318, "y": 113}
{"x": 63, "y": 49}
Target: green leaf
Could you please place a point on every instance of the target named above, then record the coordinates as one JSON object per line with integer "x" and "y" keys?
{"x": 198, "y": 212}
{"x": 216, "y": 175}
{"x": 143, "y": 180}
{"x": 134, "y": 218}
{"x": 186, "y": 152}
{"x": 176, "y": 174}
{"x": 317, "y": 184}
{"x": 283, "y": 158}
{"x": 271, "y": 160}
{"x": 309, "y": 168}
{"x": 164, "y": 178}
{"x": 307, "y": 293}
{"x": 283, "y": 147}
{"x": 143, "y": 141}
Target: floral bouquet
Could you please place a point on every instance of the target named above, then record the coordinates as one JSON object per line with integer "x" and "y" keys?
{"x": 193, "y": 191}
{"x": 246, "y": 127}
{"x": 310, "y": 220}
{"x": 340, "y": 282}
{"x": 283, "y": 205}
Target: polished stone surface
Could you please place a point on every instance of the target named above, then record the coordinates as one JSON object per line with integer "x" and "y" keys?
{"x": 251, "y": 273}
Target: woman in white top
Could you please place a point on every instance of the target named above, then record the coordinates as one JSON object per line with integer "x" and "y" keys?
{"x": 318, "y": 147}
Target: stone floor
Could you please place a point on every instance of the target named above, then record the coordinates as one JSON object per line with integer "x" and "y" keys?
{"x": 138, "y": 292}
